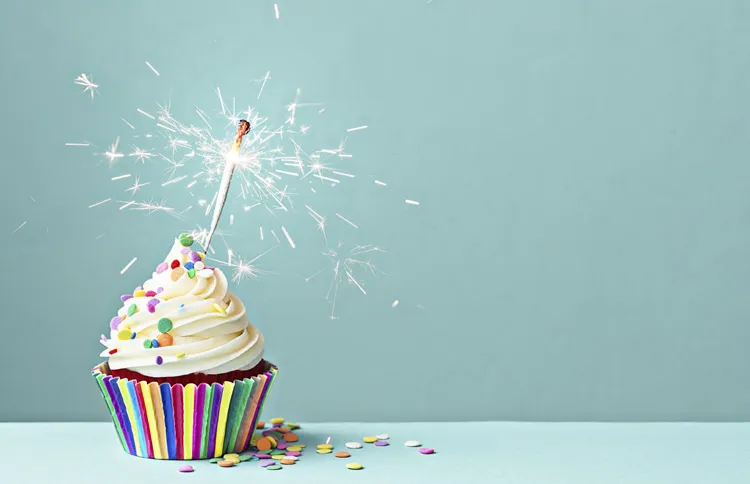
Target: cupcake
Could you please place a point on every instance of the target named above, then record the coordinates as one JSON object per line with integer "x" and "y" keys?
{"x": 185, "y": 376}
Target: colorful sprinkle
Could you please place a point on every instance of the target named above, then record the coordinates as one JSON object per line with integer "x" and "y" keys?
{"x": 114, "y": 322}
{"x": 125, "y": 297}
{"x": 342, "y": 455}
{"x": 186, "y": 240}
{"x": 186, "y": 468}
{"x": 272, "y": 441}
{"x": 184, "y": 250}
{"x": 261, "y": 424}
{"x": 151, "y": 308}
{"x": 132, "y": 309}
{"x": 123, "y": 334}
{"x": 132, "y": 336}
{"x": 281, "y": 445}
{"x": 245, "y": 458}
{"x": 325, "y": 446}
{"x": 268, "y": 463}
{"x": 195, "y": 257}
{"x": 219, "y": 309}
{"x": 159, "y": 290}
{"x": 177, "y": 273}
{"x": 354, "y": 466}
{"x": 382, "y": 436}
{"x": 369, "y": 439}
{"x": 294, "y": 448}
{"x": 381, "y": 443}
{"x": 159, "y": 360}
{"x": 287, "y": 462}
{"x": 294, "y": 453}
{"x": 353, "y": 445}
{"x": 147, "y": 344}
{"x": 263, "y": 443}
{"x": 175, "y": 264}
{"x": 112, "y": 351}
{"x": 139, "y": 293}
{"x": 199, "y": 266}
{"x": 180, "y": 356}
{"x": 278, "y": 456}
{"x": 162, "y": 267}
{"x": 150, "y": 293}
{"x": 277, "y": 420}
{"x": 290, "y": 437}
{"x": 164, "y": 325}
{"x": 215, "y": 460}
{"x": 324, "y": 451}
{"x": 263, "y": 456}
{"x": 188, "y": 265}
{"x": 426, "y": 450}
{"x": 412, "y": 443}
{"x": 205, "y": 273}
{"x": 273, "y": 468}
{"x": 291, "y": 457}
{"x": 154, "y": 343}
{"x": 278, "y": 452}
{"x": 226, "y": 463}
{"x": 191, "y": 273}
{"x": 292, "y": 426}
{"x": 165, "y": 339}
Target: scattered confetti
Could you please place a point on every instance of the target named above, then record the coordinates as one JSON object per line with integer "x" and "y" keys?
{"x": 354, "y": 466}
{"x": 324, "y": 451}
{"x": 381, "y": 443}
{"x": 412, "y": 443}
{"x": 186, "y": 468}
{"x": 383, "y": 436}
{"x": 342, "y": 455}
{"x": 426, "y": 450}
{"x": 273, "y": 467}
{"x": 369, "y": 439}
{"x": 226, "y": 463}
{"x": 353, "y": 445}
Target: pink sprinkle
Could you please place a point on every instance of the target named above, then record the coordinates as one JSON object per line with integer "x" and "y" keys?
{"x": 426, "y": 450}
{"x": 195, "y": 257}
{"x": 185, "y": 250}
{"x": 162, "y": 267}
{"x": 103, "y": 338}
{"x": 151, "y": 308}
{"x": 160, "y": 290}
{"x": 114, "y": 322}
{"x": 153, "y": 302}
{"x": 150, "y": 293}
{"x": 186, "y": 468}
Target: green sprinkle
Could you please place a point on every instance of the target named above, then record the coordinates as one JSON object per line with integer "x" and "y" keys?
{"x": 278, "y": 452}
{"x": 191, "y": 273}
{"x": 273, "y": 468}
{"x": 164, "y": 325}
{"x": 147, "y": 344}
{"x": 132, "y": 309}
{"x": 186, "y": 240}
{"x": 245, "y": 458}
{"x": 214, "y": 460}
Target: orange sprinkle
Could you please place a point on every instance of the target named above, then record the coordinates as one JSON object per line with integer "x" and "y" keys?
{"x": 226, "y": 463}
{"x": 342, "y": 455}
{"x": 288, "y": 462}
{"x": 260, "y": 425}
{"x": 282, "y": 430}
{"x": 263, "y": 444}
{"x": 165, "y": 339}
{"x": 290, "y": 437}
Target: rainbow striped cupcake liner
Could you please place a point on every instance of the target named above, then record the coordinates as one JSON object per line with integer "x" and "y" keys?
{"x": 188, "y": 422}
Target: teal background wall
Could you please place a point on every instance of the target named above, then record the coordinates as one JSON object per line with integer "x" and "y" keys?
{"x": 582, "y": 247}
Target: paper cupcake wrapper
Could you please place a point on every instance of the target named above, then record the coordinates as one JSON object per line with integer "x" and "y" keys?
{"x": 184, "y": 422}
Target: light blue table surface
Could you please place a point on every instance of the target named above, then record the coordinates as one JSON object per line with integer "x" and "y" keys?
{"x": 518, "y": 453}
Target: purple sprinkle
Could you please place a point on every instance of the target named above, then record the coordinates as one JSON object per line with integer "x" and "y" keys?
{"x": 195, "y": 257}
{"x": 184, "y": 250}
{"x": 125, "y": 297}
{"x": 425, "y": 450}
{"x": 263, "y": 456}
{"x": 267, "y": 463}
{"x": 151, "y": 308}
{"x": 114, "y": 322}
{"x": 281, "y": 445}
{"x": 160, "y": 290}
{"x": 162, "y": 267}
{"x": 150, "y": 293}
{"x": 160, "y": 360}
{"x": 294, "y": 454}
{"x": 153, "y": 302}
{"x": 381, "y": 443}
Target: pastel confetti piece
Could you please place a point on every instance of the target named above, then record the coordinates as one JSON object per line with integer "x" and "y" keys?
{"x": 125, "y": 297}
{"x": 186, "y": 468}
{"x": 114, "y": 322}
{"x": 164, "y": 325}
{"x": 162, "y": 267}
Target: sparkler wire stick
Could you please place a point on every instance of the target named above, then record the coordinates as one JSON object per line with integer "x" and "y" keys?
{"x": 226, "y": 178}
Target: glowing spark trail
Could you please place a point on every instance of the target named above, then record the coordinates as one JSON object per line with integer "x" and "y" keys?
{"x": 144, "y": 113}
{"x": 378, "y": 182}
{"x": 100, "y": 203}
{"x": 288, "y": 238}
{"x": 152, "y": 68}
{"x": 347, "y": 221}
{"x": 124, "y": 269}
{"x": 77, "y": 144}
{"x": 356, "y": 129}
{"x": 411, "y": 202}
{"x": 88, "y": 84}
{"x": 395, "y": 303}
{"x": 120, "y": 177}
{"x": 19, "y": 227}
{"x": 276, "y": 10}
{"x": 265, "y": 79}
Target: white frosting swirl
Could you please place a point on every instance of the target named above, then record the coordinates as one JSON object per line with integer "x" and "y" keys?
{"x": 205, "y": 338}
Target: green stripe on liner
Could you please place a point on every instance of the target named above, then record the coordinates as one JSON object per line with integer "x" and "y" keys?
{"x": 247, "y": 387}
{"x": 206, "y": 421}
{"x": 99, "y": 377}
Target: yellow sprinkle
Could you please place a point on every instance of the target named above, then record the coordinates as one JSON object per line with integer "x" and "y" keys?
{"x": 202, "y": 255}
{"x": 140, "y": 293}
{"x": 278, "y": 457}
{"x": 355, "y": 466}
{"x": 295, "y": 448}
{"x": 180, "y": 356}
{"x": 273, "y": 441}
{"x": 324, "y": 451}
{"x": 231, "y": 456}
{"x": 220, "y": 309}
{"x": 124, "y": 334}
{"x": 122, "y": 318}
{"x": 325, "y": 446}
{"x": 277, "y": 420}
{"x": 370, "y": 439}
{"x": 301, "y": 445}
{"x": 292, "y": 426}
{"x": 254, "y": 439}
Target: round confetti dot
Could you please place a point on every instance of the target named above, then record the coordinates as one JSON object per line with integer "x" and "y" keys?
{"x": 191, "y": 273}
{"x": 291, "y": 457}
{"x": 140, "y": 293}
{"x": 324, "y": 451}
{"x": 114, "y": 322}
{"x": 325, "y": 446}
{"x": 260, "y": 425}
{"x": 278, "y": 457}
{"x": 281, "y": 445}
{"x": 154, "y": 343}
{"x": 165, "y": 339}
{"x": 273, "y": 468}
{"x": 283, "y": 430}
{"x": 186, "y": 468}
{"x": 381, "y": 443}
{"x": 287, "y": 462}
{"x": 125, "y": 297}
{"x": 426, "y": 450}
{"x": 277, "y": 420}
{"x": 263, "y": 456}
{"x": 292, "y": 426}
{"x": 278, "y": 452}
{"x": 354, "y": 466}
{"x": 151, "y": 308}
{"x": 412, "y": 443}
{"x": 267, "y": 463}
{"x": 295, "y": 448}
{"x": 272, "y": 441}
{"x": 353, "y": 445}
{"x": 342, "y": 455}
{"x": 159, "y": 360}
{"x": 231, "y": 456}
{"x": 199, "y": 266}
{"x": 175, "y": 264}
{"x": 370, "y": 439}
{"x": 294, "y": 453}
{"x": 290, "y": 437}
{"x": 132, "y": 309}
{"x": 205, "y": 274}
{"x": 124, "y": 334}
{"x": 245, "y": 458}
{"x": 382, "y": 437}
{"x": 147, "y": 344}
{"x": 186, "y": 240}
{"x": 159, "y": 290}
{"x": 215, "y": 460}
{"x": 164, "y": 325}
{"x": 263, "y": 443}
{"x": 176, "y": 274}
{"x": 226, "y": 463}
{"x": 153, "y": 301}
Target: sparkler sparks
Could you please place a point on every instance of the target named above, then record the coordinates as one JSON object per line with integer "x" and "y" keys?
{"x": 124, "y": 269}
{"x": 152, "y": 68}
{"x": 345, "y": 267}
{"x": 19, "y": 227}
{"x": 88, "y": 84}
